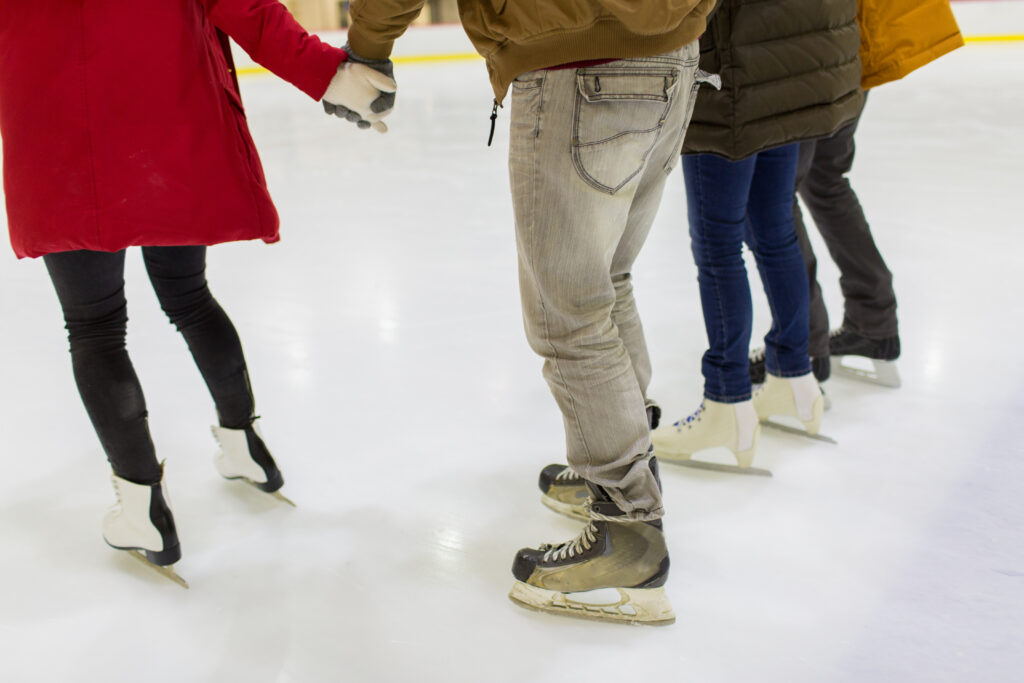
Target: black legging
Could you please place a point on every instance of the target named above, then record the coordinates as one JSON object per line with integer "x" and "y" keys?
{"x": 90, "y": 286}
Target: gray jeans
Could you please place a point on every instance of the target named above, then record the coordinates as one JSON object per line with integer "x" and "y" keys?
{"x": 865, "y": 280}
{"x": 590, "y": 151}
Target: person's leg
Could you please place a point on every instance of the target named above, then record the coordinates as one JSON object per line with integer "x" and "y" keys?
{"x": 865, "y": 280}
{"x": 790, "y": 388}
{"x": 818, "y": 340}
{"x": 572, "y": 211}
{"x": 779, "y": 261}
{"x": 90, "y": 287}
{"x": 178, "y": 275}
{"x": 572, "y": 218}
{"x": 716, "y": 197}
{"x": 642, "y": 211}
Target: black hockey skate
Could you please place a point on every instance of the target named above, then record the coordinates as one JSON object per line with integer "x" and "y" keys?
{"x": 565, "y": 492}
{"x": 615, "y": 570}
{"x": 880, "y": 356}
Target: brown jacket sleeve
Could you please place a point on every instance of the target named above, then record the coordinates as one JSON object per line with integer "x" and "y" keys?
{"x": 376, "y": 24}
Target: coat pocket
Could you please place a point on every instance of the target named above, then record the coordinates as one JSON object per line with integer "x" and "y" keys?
{"x": 618, "y": 117}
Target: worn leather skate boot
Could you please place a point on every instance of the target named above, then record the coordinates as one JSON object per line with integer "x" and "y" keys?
{"x": 243, "y": 455}
{"x": 615, "y": 570}
{"x": 733, "y": 426}
{"x": 566, "y": 492}
{"x": 881, "y": 355}
{"x": 142, "y": 524}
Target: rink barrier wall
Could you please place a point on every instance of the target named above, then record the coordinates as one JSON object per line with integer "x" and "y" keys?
{"x": 981, "y": 21}
{"x": 472, "y": 56}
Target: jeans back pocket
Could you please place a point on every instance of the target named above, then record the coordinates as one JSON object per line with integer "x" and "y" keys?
{"x": 618, "y": 118}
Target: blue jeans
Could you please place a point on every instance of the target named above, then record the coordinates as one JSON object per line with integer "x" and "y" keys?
{"x": 729, "y": 202}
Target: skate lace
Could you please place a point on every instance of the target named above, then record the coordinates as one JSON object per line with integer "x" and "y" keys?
{"x": 688, "y": 421}
{"x": 579, "y": 545}
{"x": 566, "y": 475}
{"x": 117, "y": 489}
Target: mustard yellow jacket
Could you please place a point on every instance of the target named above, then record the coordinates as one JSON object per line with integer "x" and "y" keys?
{"x": 899, "y": 36}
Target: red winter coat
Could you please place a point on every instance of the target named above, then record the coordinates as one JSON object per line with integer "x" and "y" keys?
{"x": 122, "y": 123}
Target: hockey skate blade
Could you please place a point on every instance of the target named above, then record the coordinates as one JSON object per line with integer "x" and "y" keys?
{"x": 883, "y": 372}
{"x": 164, "y": 570}
{"x": 565, "y": 509}
{"x": 799, "y": 432}
{"x": 638, "y": 606}
{"x": 720, "y": 467}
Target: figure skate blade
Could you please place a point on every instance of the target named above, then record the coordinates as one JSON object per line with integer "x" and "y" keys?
{"x": 799, "y": 432}
{"x": 273, "y": 494}
{"x": 881, "y": 372}
{"x": 163, "y": 570}
{"x": 283, "y": 498}
{"x": 719, "y": 467}
{"x": 639, "y": 606}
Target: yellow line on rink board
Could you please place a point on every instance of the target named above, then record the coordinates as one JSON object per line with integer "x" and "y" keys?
{"x": 412, "y": 59}
{"x": 426, "y": 59}
{"x": 472, "y": 56}
{"x": 995, "y": 39}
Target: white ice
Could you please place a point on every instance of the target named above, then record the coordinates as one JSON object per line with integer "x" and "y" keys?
{"x": 410, "y": 418}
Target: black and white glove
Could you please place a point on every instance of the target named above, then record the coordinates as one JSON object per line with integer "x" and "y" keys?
{"x": 363, "y": 91}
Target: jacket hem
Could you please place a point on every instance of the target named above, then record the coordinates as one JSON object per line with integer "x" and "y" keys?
{"x": 605, "y": 39}
{"x": 899, "y": 68}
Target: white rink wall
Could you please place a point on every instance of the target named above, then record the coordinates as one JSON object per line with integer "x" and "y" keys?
{"x": 990, "y": 17}
{"x": 977, "y": 18}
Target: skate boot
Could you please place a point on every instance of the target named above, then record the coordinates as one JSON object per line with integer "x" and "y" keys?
{"x": 566, "y": 492}
{"x": 142, "y": 524}
{"x": 243, "y": 455}
{"x": 797, "y": 398}
{"x": 613, "y": 571}
{"x": 733, "y": 426}
{"x": 881, "y": 354}
{"x": 821, "y": 367}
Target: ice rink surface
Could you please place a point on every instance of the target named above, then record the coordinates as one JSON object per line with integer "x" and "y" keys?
{"x": 410, "y": 419}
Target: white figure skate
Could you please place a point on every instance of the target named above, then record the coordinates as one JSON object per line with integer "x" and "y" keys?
{"x": 733, "y": 426}
{"x": 243, "y": 455}
{"x": 141, "y": 524}
{"x": 798, "y": 398}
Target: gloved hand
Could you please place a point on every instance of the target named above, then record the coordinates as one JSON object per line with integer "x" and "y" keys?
{"x": 363, "y": 91}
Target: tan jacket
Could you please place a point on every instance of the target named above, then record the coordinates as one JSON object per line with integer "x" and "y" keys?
{"x": 516, "y": 36}
{"x": 899, "y": 36}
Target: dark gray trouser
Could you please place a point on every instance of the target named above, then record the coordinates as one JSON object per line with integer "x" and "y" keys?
{"x": 865, "y": 280}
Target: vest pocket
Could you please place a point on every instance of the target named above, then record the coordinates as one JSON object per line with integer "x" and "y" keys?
{"x": 619, "y": 114}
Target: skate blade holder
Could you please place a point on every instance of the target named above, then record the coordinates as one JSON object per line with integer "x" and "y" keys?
{"x": 164, "y": 570}
{"x": 636, "y": 606}
{"x": 723, "y": 461}
{"x": 881, "y": 372}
